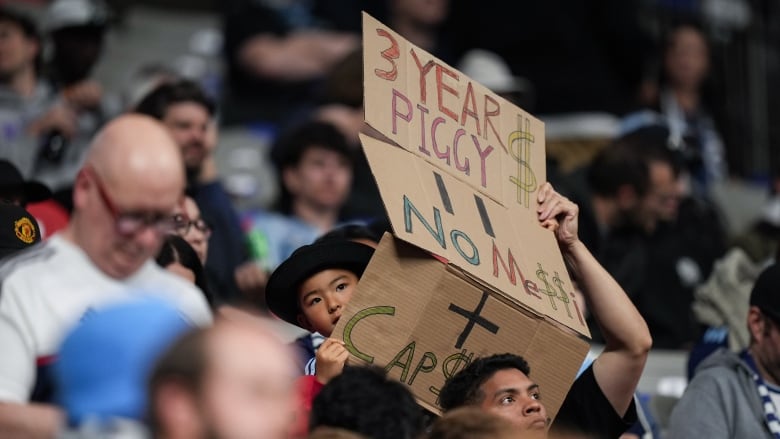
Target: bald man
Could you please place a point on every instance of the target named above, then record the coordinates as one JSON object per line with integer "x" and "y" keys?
{"x": 123, "y": 197}
{"x": 233, "y": 380}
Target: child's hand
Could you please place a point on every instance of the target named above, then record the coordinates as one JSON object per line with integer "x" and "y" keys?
{"x": 331, "y": 357}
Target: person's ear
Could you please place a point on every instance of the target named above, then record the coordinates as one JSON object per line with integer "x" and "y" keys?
{"x": 176, "y": 410}
{"x": 756, "y": 323}
{"x": 304, "y": 322}
{"x": 80, "y": 190}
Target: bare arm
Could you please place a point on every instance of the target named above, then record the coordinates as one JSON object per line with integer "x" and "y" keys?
{"x": 29, "y": 421}
{"x": 618, "y": 368}
{"x": 299, "y": 56}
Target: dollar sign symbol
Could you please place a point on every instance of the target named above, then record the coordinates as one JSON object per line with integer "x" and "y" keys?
{"x": 455, "y": 362}
{"x": 563, "y": 297}
{"x": 547, "y": 290}
{"x": 451, "y": 366}
{"x": 520, "y": 149}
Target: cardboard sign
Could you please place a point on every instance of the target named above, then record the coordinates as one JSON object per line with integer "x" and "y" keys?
{"x": 439, "y": 114}
{"x": 423, "y": 323}
{"x": 461, "y": 183}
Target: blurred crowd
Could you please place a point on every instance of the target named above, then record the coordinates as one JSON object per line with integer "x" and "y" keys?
{"x": 142, "y": 290}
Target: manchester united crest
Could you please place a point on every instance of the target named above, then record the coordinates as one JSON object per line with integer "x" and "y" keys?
{"x": 25, "y": 230}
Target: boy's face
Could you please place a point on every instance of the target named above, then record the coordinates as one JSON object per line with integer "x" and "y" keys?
{"x": 322, "y": 298}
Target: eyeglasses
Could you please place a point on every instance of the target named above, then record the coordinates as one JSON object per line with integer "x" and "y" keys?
{"x": 130, "y": 223}
{"x": 182, "y": 225}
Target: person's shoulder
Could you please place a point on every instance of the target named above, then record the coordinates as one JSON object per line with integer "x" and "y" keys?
{"x": 584, "y": 389}
{"x": 587, "y": 410}
{"x": 36, "y": 260}
{"x": 720, "y": 359}
{"x": 720, "y": 371}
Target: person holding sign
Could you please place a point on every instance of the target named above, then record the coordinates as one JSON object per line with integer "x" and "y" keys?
{"x": 600, "y": 403}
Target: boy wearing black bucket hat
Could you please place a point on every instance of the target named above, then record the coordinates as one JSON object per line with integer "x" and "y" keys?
{"x": 310, "y": 289}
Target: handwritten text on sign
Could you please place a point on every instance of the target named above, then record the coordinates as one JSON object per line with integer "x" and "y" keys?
{"x": 445, "y": 216}
{"x": 438, "y": 113}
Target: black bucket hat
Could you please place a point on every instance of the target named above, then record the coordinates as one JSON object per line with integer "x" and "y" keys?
{"x": 281, "y": 292}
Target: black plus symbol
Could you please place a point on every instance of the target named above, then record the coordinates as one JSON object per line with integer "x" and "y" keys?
{"x": 474, "y": 318}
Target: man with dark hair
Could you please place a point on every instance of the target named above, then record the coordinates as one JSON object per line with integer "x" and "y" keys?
{"x": 680, "y": 239}
{"x": 364, "y": 400}
{"x": 600, "y": 403}
{"x": 233, "y": 380}
{"x": 630, "y": 188}
{"x": 187, "y": 112}
{"x": 658, "y": 244}
{"x": 314, "y": 165}
{"x": 465, "y": 387}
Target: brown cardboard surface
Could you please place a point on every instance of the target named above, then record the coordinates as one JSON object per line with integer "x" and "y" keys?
{"x": 444, "y": 117}
{"x": 511, "y": 253}
{"x": 412, "y": 316}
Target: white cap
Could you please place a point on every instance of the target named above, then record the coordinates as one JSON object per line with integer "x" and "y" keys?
{"x": 66, "y": 13}
{"x": 490, "y": 70}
